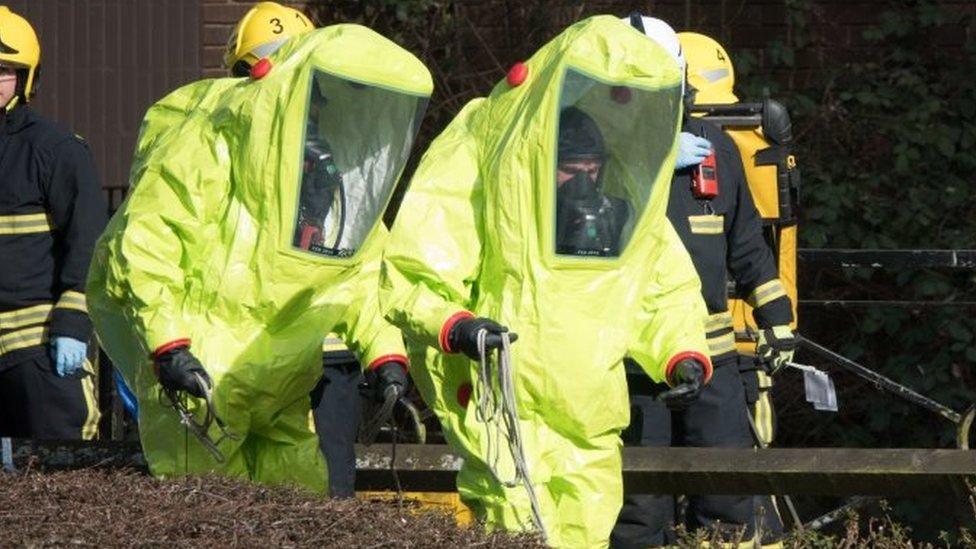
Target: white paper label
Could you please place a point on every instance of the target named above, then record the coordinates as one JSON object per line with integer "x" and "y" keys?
{"x": 8, "y": 454}
{"x": 819, "y": 388}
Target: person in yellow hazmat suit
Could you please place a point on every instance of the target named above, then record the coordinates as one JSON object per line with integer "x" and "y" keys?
{"x": 244, "y": 239}
{"x": 542, "y": 208}
{"x": 336, "y": 399}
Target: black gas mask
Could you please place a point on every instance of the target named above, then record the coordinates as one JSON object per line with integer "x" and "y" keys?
{"x": 321, "y": 182}
{"x": 588, "y": 222}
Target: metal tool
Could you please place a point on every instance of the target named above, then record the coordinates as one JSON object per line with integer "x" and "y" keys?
{"x": 379, "y": 416}
{"x": 839, "y": 513}
{"x": 963, "y": 421}
{"x": 370, "y": 428}
{"x": 201, "y": 429}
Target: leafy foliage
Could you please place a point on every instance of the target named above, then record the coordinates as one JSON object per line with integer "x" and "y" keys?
{"x": 887, "y": 143}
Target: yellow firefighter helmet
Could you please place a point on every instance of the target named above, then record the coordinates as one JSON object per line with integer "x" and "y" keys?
{"x": 260, "y": 32}
{"x": 20, "y": 49}
{"x": 710, "y": 69}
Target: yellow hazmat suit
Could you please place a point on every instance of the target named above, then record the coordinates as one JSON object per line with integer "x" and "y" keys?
{"x": 252, "y": 228}
{"x": 476, "y": 232}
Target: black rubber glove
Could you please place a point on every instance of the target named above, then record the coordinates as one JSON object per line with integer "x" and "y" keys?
{"x": 776, "y": 347}
{"x": 687, "y": 379}
{"x": 386, "y": 376}
{"x": 464, "y": 336}
{"x": 177, "y": 370}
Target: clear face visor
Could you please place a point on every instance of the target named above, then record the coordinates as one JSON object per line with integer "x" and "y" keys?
{"x": 612, "y": 142}
{"x": 357, "y": 141}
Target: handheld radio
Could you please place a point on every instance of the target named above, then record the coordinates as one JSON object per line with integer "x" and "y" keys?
{"x": 704, "y": 178}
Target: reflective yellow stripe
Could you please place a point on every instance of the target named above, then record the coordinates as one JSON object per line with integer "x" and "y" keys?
{"x": 766, "y": 293}
{"x": 761, "y": 420}
{"x": 21, "y": 339}
{"x": 718, "y": 321}
{"x": 36, "y": 314}
{"x": 707, "y": 224}
{"x": 72, "y": 300}
{"x": 24, "y": 224}
{"x": 721, "y": 344}
{"x": 758, "y": 411}
{"x": 333, "y": 343}
{"x": 763, "y": 411}
{"x": 90, "y": 429}
{"x": 767, "y": 418}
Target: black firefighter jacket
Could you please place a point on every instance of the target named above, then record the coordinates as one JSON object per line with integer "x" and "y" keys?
{"x": 725, "y": 240}
{"x": 51, "y": 212}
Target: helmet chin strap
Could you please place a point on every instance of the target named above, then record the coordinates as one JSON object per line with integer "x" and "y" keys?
{"x": 637, "y": 21}
{"x": 241, "y": 69}
{"x": 19, "y": 91}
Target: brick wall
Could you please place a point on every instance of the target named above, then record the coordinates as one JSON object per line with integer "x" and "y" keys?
{"x": 104, "y": 62}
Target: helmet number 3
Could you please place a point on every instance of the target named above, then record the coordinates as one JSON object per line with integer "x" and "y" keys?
{"x": 276, "y": 23}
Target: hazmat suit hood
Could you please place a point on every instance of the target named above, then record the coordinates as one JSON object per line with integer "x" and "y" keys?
{"x": 249, "y": 218}
{"x": 171, "y": 111}
{"x": 506, "y": 146}
{"x": 477, "y": 231}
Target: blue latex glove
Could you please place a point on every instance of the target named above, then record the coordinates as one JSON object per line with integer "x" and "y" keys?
{"x": 68, "y": 355}
{"x": 691, "y": 150}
